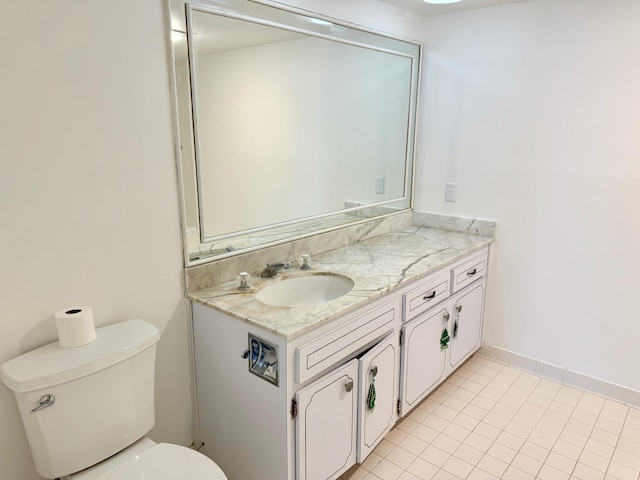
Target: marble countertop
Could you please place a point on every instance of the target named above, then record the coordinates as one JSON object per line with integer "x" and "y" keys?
{"x": 377, "y": 266}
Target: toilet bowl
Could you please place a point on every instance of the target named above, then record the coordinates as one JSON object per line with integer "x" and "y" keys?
{"x": 86, "y": 410}
{"x": 147, "y": 460}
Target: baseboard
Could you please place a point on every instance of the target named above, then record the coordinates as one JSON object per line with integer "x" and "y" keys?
{"x": 562, "y": 375}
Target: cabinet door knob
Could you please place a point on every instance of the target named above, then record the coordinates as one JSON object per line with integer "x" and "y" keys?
{"x": 459, "y": 308}
{"x": 349, "y": 386}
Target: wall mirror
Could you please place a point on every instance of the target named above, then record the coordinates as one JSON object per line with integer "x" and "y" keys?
{"x": 289, "y": 123}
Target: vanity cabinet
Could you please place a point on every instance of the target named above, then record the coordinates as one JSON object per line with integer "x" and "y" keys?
{"x": 337, "y": 422}
{"x": 443, "y": 318}
{"x": 424, "y": 361}
{"x": 318, "y": 417}
{"x": 378, "y": 373}
{"x": 314, "y": 422}
{"x": 438, "y": 341}
{"x": 466, "y": 324}
{"x": 326, "y": 424}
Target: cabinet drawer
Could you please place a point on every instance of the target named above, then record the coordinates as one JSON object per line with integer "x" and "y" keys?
{"x": 425, "y": 296}
{"x": 468, "y": 272}
{"x": 327, "y": 350}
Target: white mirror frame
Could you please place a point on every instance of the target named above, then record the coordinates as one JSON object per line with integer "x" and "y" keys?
{"x": 364, "y": 37}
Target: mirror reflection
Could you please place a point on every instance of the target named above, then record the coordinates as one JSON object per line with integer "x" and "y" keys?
{"x": 287, "y": 130}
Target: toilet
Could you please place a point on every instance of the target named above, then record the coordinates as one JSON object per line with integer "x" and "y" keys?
{"x": 86, "y": 410}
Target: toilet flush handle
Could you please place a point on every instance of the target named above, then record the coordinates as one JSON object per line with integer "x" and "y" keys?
{"x": 44, "y": 402}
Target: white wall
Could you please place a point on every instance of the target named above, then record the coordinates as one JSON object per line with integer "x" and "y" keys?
{"x": 534, "y": 109}
{"x": 88, "y": 196}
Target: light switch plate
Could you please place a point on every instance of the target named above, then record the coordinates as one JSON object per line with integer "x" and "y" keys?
{"x": 451, "y": 193}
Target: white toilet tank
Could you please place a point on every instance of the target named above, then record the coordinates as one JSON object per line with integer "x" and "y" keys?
{"x": 97, "y": 399}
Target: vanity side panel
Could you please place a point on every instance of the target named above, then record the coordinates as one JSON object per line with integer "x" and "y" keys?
{"x": 242, "y": 418}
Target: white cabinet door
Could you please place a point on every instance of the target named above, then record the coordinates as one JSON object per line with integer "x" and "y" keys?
{"x": 466, "y": 327}
{"x": 326, "y": 431}
{"x": 377, "y": 367}
{"x": 423, "y": 358}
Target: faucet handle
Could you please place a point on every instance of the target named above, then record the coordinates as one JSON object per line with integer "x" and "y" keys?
{"x": 243, "y": 281}
{"x": 304, "y": 261}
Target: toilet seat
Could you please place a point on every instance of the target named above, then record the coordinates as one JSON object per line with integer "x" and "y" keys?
{"x": 163, "y": 461}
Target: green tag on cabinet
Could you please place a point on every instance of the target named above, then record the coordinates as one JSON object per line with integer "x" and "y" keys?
{"x": 371, "y": 396}
{"x": 444, "y": 339}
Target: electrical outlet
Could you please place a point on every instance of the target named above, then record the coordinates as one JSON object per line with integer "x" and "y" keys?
{"x": 451, "y": 193}
{"x": 379, "y": 184}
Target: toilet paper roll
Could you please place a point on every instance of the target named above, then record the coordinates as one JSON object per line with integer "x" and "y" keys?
{"x": 75, "y": 326}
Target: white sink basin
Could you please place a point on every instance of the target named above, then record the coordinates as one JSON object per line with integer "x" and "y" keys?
{"x": 305, "y": 289}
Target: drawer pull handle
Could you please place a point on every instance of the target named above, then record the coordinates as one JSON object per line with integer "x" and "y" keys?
{"x": 349, "y": 386}
{"x": 471, "y": 273}
{"x": 429, "y": 297}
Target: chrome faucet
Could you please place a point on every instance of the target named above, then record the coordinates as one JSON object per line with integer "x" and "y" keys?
{"x": 272, "y": 269}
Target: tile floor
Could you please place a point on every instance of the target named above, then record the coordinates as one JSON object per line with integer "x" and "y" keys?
{"x": 490, "y": 421}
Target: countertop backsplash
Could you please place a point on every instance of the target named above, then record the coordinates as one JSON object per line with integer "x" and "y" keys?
{"x": 226, "y": 269}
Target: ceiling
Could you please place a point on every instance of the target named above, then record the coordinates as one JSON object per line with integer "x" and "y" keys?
{"x": 425, "y": 9}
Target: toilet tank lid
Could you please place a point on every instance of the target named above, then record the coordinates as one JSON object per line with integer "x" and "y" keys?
{"x": 52, "y": 365}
